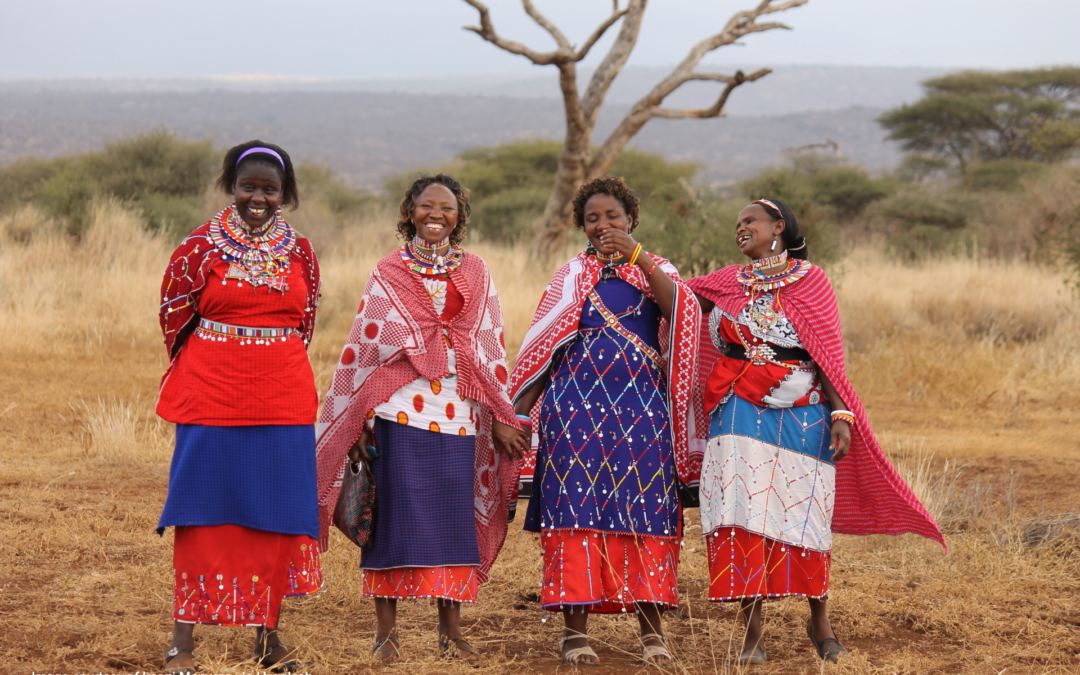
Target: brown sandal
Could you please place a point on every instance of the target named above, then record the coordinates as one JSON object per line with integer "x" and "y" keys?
{"x": 449, "y": 646}
{"x": 385, "y": 656}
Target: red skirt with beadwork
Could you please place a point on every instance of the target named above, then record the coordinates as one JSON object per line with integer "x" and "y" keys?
{"x": 608, "y": 573}
{"x": 747, "y": 565}
{"x": 229, "y": 575}
{"x": 456, "y": 582}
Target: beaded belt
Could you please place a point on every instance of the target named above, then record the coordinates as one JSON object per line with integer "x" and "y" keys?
{"x": 212, "y": 330}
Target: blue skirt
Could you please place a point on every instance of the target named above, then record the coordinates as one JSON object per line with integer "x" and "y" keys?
{"x": 261, "y": 477}
{"x": 424, "y": 510}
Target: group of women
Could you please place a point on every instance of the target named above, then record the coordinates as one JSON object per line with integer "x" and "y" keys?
{"x": 635, "y": 395}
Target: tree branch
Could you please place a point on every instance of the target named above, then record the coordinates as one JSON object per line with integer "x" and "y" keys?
{"x": 599, "y": 32}
{"x": 545, "y": 23}
{"x": 717, "y": 109}
{"x": 650, "y": 106}
{"x": 615, "y": 59}
{"x": 487, "y": 31}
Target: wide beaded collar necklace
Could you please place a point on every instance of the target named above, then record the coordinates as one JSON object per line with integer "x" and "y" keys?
{"x": 421, "y": 257}
{"x": 757, "y": 280}
{"x": 259, "y": 259}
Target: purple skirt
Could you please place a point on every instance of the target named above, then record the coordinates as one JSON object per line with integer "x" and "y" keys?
{"x": 425, "y": 515}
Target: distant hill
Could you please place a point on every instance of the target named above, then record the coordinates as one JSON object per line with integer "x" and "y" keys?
{"x": 368, "y": 135}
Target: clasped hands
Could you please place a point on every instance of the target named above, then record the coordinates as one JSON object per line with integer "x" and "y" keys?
{"x": 514, "y": 443}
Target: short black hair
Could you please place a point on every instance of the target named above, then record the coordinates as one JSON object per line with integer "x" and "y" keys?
{"x": 606, "y": 185}
{"x": 405, "y": 226}
{"x": 226, "y": 182}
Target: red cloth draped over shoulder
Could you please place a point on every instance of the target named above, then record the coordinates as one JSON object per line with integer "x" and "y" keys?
{"x": 871, "y": 496}
{"x": 396, "y": 338}
{"x": 556, "y": 322}
{"x": 186, "y": 276}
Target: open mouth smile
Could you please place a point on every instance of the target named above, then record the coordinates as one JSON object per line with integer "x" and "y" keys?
{"x": 258, "y": 212}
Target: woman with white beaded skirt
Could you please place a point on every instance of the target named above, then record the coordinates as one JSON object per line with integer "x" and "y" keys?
{"x": 777, "y": 478}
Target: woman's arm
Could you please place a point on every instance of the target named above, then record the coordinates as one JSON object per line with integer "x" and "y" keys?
{"x": 662, "y": 285}
{"x": 528, "y": 397}
{"x": 841, "y": 431}
{"x": 706, "y": 304}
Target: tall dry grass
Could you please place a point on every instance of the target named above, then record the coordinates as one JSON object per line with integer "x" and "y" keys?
{"x": 965, "y": 365}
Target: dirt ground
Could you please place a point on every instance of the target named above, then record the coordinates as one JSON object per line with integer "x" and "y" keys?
{"x": 85, "y": 584}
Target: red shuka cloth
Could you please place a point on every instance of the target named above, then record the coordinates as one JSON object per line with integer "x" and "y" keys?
{"x": 609, "y": 573}
{"x": 229, "y": 575}
{"x": 747, "y": 565}
{"x": 871, "y": 496}
{"x": 458, "y": 583}
{"x": 226, "y": 383}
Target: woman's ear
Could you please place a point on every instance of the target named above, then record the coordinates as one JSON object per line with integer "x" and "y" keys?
{"x": 779, "y": 228}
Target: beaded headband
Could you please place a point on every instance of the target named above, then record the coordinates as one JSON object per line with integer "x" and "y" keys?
{"x": 774, "y": 207}
{"x": 265, "y": 151}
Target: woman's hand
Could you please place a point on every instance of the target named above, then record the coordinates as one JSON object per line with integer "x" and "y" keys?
{"x": 841, "y": 440}
{"x": 358, "y": 450}
{"x": 618, "y": 240}
{"x": 509, "y": 440}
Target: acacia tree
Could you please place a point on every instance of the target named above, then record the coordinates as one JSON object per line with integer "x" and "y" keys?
{"x": 579, "y": 160}
{"x": 973, "y": 116}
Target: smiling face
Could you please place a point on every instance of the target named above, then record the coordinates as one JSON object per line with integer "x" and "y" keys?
{"x": 755, "y": 232}
{"x": 604, "y": 211}
{"x": 257, "y": 193}
{"x": 436, "y": 213}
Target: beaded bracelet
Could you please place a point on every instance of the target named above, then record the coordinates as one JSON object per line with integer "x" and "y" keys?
{"x": 637, "y": 252}
{"x": 845, "y": 415}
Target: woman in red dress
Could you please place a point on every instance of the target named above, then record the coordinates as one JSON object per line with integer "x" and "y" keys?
{"x": 238, "y": 310}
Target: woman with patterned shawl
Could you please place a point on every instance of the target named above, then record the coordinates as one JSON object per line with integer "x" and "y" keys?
{"x": 422, "y": 377}
{"x": 604, "y": 377}
{"x": 782, "y": 417}
{"x": 238, "y": 311}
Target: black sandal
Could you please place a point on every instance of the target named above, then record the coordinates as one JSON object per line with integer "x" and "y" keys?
{"x": 446, "y": 644}
{"x": 385, "y": 656}
{"x": 834, "y": 651}
{"x": 181, "y": 670}
{"x": 285, "y": 664}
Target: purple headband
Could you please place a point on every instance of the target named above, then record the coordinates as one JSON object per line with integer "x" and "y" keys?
{"x": 265, "y": 151}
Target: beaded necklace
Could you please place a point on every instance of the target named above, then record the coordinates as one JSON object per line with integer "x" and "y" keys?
{"x": 757, "y": 281}
{"x": 260, "y": 259}
{"x": 771, "y": 261}
{"x": 421, "y": 257}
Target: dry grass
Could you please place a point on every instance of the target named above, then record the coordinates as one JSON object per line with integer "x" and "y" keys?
{"x": 966, "y": 366}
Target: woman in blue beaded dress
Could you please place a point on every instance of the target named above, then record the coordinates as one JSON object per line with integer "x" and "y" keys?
{"x": 604, "y": 377}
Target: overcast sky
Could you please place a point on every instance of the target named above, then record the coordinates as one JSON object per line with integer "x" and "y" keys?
{"x": 416, "y": 38}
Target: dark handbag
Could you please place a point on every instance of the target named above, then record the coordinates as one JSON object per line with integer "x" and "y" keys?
{"x": 689, "y": 496}
{"x": 354, "y": 513}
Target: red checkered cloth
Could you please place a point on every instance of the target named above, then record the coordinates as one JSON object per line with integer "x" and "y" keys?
{"x": 556, "y": 323}
{"x": 397, "y": 337}
{"x": 187, "y": 273}
{"x": 871, "y": 496}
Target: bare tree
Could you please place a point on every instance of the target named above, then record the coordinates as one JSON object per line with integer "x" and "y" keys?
{"x": 578, "y": 162}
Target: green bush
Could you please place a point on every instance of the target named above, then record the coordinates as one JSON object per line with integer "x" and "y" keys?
{"x": 158, "y": 174}
{"x": 1006, "y": 175}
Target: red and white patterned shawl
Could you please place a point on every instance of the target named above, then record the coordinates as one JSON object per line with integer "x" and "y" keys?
{"x": 556, "y": 323}
{"x": 396, "y": 338}
{"x": 186, "y": 275}
{"x": 871, "y": 496}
